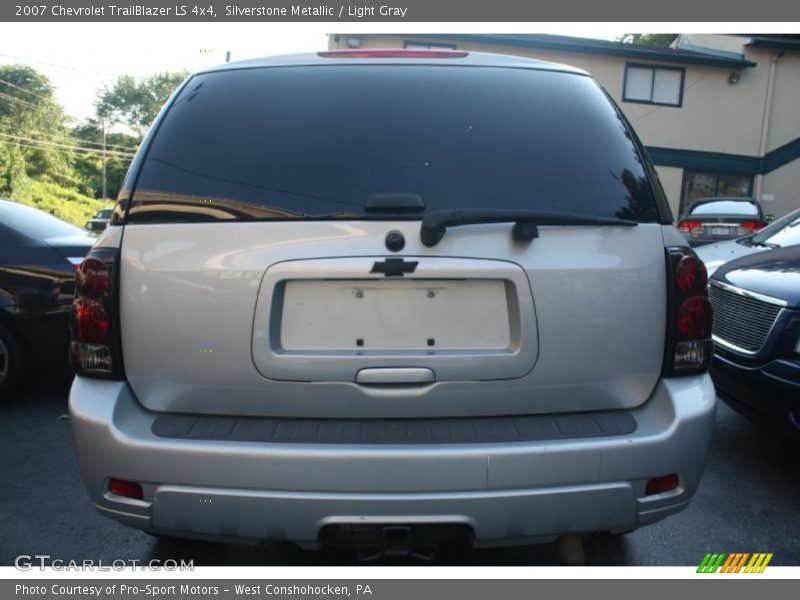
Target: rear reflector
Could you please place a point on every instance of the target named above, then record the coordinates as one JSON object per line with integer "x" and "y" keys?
{"x": 126, "y": 489}
{"x": 393, "y": 53}
{"x": 659, "y": 485}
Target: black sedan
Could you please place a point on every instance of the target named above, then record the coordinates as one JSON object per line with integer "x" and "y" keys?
{"x": 38, "y": 255}
{"x": 717, "y": 219}
{"x": 756, "y": 366}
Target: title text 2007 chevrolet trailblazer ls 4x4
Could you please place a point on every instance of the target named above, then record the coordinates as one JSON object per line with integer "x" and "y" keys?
{"x": 371, "y": 294}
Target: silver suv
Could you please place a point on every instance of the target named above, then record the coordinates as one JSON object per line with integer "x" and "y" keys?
{"x": 371, "y": 296}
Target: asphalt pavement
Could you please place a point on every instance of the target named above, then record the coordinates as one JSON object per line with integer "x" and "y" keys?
{"x": 749, "y": 500}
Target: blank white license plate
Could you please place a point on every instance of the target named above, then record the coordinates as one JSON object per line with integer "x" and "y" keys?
{"x": 720, "y": 231}
{"x": 425, "y": 315}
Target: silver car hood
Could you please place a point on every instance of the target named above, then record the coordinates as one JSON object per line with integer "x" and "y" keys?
{"x": 715, "y": 255}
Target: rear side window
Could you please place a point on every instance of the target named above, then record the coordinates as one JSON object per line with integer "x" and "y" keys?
{"x": 314, "y": 142}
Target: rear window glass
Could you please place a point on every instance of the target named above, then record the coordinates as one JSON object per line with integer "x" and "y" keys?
{"x": 316, "y": 142}
{"x": 726, "y": 207}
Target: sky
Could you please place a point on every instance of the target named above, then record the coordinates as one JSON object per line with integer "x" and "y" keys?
{"x": 81, "y": 58}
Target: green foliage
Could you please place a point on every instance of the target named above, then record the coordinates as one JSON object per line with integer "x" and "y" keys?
{"x": 33, "y": 133}
{"x": 136, "y": 103}
{"x": 47, "y": 163}
{"x": 65, "y": 203}
{"x": 90, "y": 166}
{"x": 12, "y": 169}
{"x": 648, "y": 39}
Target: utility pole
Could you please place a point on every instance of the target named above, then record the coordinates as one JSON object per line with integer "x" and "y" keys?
{"x": 105, "y": 194}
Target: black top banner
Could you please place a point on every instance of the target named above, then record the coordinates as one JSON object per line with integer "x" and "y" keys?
{"x": 405, "y": 11}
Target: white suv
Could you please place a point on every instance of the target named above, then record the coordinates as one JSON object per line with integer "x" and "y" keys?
{"x": 374, "y": 296}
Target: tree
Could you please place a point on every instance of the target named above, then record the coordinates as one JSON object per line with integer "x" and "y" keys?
{"x": 120, "y": 147}
{"x": 648, "y": 39}
{"x": 136, "y": 103}
{"x": 34, "y": 139}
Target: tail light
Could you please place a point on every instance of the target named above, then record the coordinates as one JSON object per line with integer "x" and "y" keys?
{"x": 690, "y": 315}
{"x": 89, "y": 320}
{"x": 691, "y": 227}
{"x": 95, "y": 350}
{"x": 747, "y": 227}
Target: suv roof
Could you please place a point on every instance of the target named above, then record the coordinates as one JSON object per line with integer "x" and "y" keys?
{"x": 472, "y": 59}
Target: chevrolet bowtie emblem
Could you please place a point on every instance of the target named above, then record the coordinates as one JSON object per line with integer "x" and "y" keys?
{"x": 394, "y": 267}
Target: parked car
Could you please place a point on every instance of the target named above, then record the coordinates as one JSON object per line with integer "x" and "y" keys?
{"x": 380, "y": 295}
{"x": 778, "y": 234}
{"x": 38, "y": 255}
{"x": 100, "y": 220}
{"x": 714, "y": 219}
{"x": 756, "y": 368}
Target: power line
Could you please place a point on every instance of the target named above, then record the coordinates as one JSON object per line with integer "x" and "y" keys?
{"x": 15, "y": 134}
{"x": 20, "y": 131}
{"x": 16, "y": 100}
{"x": 85, "y": 152}
{"x": 49, "y": 64}
{"x": 13, "y": 85}
{"x": 90, "y": 153}
{"x": 55, "y": 109}
{"x": 69, "y": 68}
{"x": 43, "y": 143}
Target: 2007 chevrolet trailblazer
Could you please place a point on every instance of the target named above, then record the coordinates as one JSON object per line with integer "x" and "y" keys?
{"x": 380, "y": 295}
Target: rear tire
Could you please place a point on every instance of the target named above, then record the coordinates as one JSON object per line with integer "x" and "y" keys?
{"x": 10, "y": 362}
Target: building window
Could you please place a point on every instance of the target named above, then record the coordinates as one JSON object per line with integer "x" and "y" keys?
{"x": 653, "y": 85}
{"x": 699, "y": 184}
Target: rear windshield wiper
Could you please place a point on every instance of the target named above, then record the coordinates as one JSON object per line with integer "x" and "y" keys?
{"x": 435, "y": 224}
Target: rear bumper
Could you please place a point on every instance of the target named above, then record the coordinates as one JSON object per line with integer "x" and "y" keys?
{"x": 222, "y": 489}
